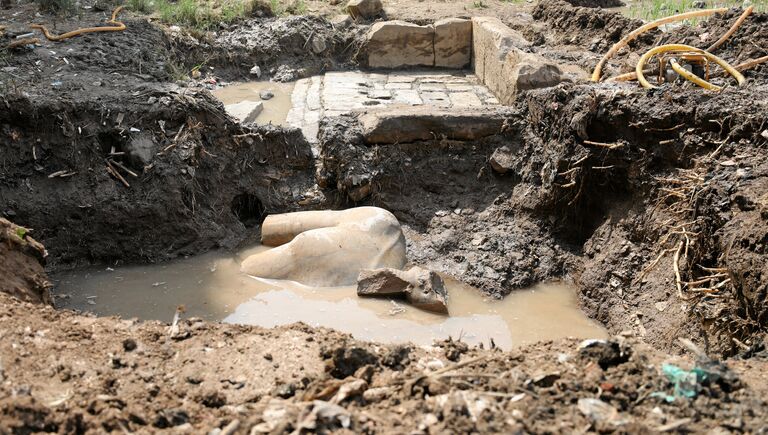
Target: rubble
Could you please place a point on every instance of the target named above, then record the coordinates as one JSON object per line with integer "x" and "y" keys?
{"x": 422, "y": 288}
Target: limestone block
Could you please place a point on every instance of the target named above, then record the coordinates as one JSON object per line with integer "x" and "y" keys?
{"x": 402, "y": 124}
{"x": 453, "y": 43}
{"x": 245, "y": 111}
{"x": 502, "y": 65}
{"x": 394, "y": 44}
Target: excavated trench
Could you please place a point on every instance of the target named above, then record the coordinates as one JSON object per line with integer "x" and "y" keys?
{"x": 627, "y": 198}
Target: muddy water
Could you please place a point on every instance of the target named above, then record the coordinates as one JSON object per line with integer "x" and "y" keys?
{"x": 210, "y": 286}
{"x": 275, "y": 109}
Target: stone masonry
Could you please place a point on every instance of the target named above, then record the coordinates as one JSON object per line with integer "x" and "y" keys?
{"x": 337, "y": 93}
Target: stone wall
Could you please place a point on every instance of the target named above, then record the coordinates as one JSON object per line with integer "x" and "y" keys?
{"x": 495, "y": 52}
{"x": 501, "y": 64}
{"x": 397, "y": 44}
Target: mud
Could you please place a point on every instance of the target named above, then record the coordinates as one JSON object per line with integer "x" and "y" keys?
{"x": 211, "y": 287}
{"x": 275, "y": 109}
{"x": 609, "y": 187}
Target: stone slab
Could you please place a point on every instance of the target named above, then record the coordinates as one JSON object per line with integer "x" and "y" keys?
{"x": 501, "y": 64}
{"x": 410, "y": 124}
{"x": 453, "y": 43}
{"x": 245, "y": 111}
{"x": 393, "y": 44}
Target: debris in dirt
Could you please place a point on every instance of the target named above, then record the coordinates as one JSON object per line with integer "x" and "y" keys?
{"x": 349, "y": 390}
{"x": 601, "y": 412}
{"x": 245, "y": 111}
{"x": 502, "y": 160}
{"x": 325, "y": 416}
{"x": 318, "y": 45}
{"x": 366, "y": 9}
{"x": 256, "y": 71}
{"x": 343, "y": 361}
{"x": 25, "y": 42}
{"x": 118, "y": 27}
{"x": 422, "y": 288}
{"x": 607, "y": 353}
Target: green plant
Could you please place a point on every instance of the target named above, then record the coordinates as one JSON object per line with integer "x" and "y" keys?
{"x": 21, "y": 232}
{"x": 478, "y": 4}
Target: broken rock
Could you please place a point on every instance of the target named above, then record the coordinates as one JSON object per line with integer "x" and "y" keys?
{"x": 502, "y": 160}
{"x": 422, "y": 288}
{"x": 364, "y": 8}
{"x": 245, "y": 111}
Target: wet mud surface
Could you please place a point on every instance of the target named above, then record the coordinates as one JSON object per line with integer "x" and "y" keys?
{"x": 652, "y": 204}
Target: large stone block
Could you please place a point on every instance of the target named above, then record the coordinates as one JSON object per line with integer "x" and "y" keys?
{"x": 402, "y": 124}
{"x": 502, "y": 65}
{"x": 393, "y": 44}
{"x": 453, "y": 43}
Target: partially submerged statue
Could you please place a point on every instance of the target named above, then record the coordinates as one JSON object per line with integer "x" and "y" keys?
{"x": 328, "y": 248}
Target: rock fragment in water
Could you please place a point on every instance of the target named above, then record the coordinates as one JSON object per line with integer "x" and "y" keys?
{"x": 245, "y": 111}
{"x": 422, "y": 288}
{"x": 266, "y": 94}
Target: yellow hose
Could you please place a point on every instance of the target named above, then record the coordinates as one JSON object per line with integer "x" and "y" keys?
{"x": 118, "y": 27}
{"x": 691, "y": 77}
{"x": 646, "y": 27}
{"x": 682, "y": 47}
{"x": 731, "y": 31}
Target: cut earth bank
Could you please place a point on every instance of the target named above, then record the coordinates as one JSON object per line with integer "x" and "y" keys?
{"x": 590, "y": 182}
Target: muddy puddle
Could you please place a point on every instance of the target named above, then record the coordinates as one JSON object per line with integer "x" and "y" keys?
{"x": 275, "y": 109}
{"x": 210, "y": 286}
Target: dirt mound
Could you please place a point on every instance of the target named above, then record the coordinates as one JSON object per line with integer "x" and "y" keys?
{"x": 21, "y": 268}
{"x": 141, "y": 377}
{"x": 143, "y": 177}
{"x": 585, "y": 26}
{"x": 596, "y": 3}
{"x": 285, "y": 49}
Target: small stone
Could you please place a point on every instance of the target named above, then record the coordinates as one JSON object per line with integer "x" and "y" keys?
{"x": 699, "y": 4}
{"x": 129, "y": 344}
{"x": 285, "y": 391}
{"x": 661, "y": 306}
{"x": 318, "y": 45}
{"x": 502, "y": 160}
{"x": 341, "y": 21}
{"x": 266, "y": 94}
{"x": 256, "y": 71}
{"x": 764, "y": 134}
{"x": 364, "y": 8}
